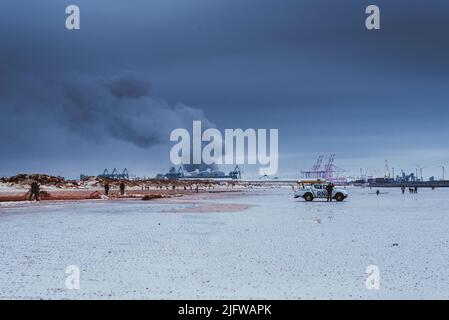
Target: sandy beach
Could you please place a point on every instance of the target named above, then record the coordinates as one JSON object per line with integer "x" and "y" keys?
{"x": 56, "y": 189}
{"x": 258, "y": 243}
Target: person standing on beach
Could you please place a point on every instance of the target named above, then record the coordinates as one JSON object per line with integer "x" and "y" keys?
{"x": 403, "y": 189}
{"x": 329, "y": 188}
{"x": 106, "y": 188}
{"x": 122, "y": 188}
{"x": 35, "y": 191}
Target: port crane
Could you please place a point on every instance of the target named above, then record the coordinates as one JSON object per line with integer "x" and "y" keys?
{"x": 115, "y": 175}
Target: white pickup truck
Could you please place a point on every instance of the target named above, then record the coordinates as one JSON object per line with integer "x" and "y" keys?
{"x": 318, "y": 190}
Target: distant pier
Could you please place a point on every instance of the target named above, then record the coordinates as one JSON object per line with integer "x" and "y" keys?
{"x": 419, "y": 184}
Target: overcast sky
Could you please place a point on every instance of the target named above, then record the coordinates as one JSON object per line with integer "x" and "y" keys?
{"x": 108, "y": 95}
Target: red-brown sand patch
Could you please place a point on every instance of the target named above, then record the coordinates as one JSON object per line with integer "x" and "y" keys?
{"x": 216, "y": 207}
{"x": 73, "y": 195}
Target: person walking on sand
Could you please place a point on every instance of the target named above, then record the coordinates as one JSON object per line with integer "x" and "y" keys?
{"x": 416, "y": 189}
{"x": 377, "y": 192}
{"x": 35, "y": 191}
{"x": 329, "y": 189}
{"x": 106, "y": 188}
{"x": 403, "y": 189}
{"x": 122, "y": 188}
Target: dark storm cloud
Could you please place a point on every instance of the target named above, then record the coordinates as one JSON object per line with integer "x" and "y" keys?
{"x": 152, "y": 33}
{"x": 130, "y": 85}
{"x": 253, "y": 63}
{"x": 119, "y": 108}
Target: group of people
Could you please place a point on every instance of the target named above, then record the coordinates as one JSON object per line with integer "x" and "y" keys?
{"x": 35, "y": 190}
{"x": 410, "y": 189}
{"x": 107, "y": 188}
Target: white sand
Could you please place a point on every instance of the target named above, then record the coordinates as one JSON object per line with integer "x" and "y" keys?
{"x": 278, "y": 248}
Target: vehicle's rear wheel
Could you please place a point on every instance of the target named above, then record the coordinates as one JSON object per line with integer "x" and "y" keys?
{"x": 339, "y": 197}
{"x": 308, "y": 197}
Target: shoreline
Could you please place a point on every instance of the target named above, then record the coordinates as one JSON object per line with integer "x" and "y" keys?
{"x": 95, "y": 194}
{"x": 205, "y": 201}
{"x": 202, "y": 201}
{"x": 17, "y": 188}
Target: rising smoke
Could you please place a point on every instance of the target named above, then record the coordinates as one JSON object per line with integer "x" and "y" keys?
{"x": 119, "y": 108}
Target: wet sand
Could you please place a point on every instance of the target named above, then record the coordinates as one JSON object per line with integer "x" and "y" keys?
{"x": 185, "y": 248}
{"x": 71, "y": 195}
{"x": 215, "y": 207}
